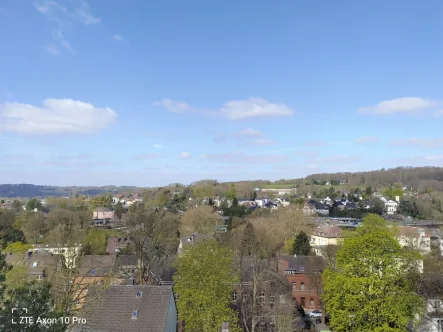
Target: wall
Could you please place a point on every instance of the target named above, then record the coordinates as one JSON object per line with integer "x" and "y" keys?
{"x": 171, "y": 321}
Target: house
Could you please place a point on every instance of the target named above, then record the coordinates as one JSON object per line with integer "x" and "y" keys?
{"x": 127, "y": 265}
{"x": 431, "y": 289}
{"x": 95, "y": 270}
{"x": 116, "y": 244}
{"x": 327, "y": 201}
{"x": 264, "y": 290}
{"x": 129, "y": 308}
{"x": 415, "y": 238}
{"x": 304, "y": 275}
{"x": 68, "y": 252}
{"x": 391, "y": 206}
{"x": 309, "y": 209}
{"x": 189, "y": 241}
{"x": 351, "y": 205}
{"x": 282, "y": 202}
{"x": 366, "y": 204}
{"x": 342, "y": 182}
{"x": 321, "y": 209}
{"x": 38, "y": 266}
{"x": 102, "y": 213}
{"x": 271, "y": 205}
{"x": 324, "y": 236}
{"x": 261, "y": 202}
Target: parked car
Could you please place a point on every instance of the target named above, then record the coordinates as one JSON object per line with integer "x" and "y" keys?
{"x": 315, "y": 314}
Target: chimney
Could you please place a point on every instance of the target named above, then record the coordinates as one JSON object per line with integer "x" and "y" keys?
{"x": 192, "y": 239}
{"x": 225, "y": 327}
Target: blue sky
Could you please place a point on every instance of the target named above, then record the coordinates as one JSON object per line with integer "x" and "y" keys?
{"x": 154, "y": 92}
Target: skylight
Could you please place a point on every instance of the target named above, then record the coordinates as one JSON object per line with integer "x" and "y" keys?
{"x": 134, "y": 314}
{"x": 92, "y": 273}
{"x": 139, "y": 294}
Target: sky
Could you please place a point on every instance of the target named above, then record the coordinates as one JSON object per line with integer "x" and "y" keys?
{"x": 147, "y": 93}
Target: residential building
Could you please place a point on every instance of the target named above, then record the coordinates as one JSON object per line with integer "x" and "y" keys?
{"x": 102, "y": 213}
{"x": 262, "y": 292}
{"x": 431, "y": 289}
{"x": 116, "y": 244}
{"x": 145, "y": 308}
{"x": 415, "y": 238}
{"x": 39, "y": 266}
{"x": 324, "y": 236}
{"x": 304, "y": 275}
{"x": 189, "y": 241}
{"x": 391, "y": 207}
{"x": 309, "y": 209}
{"x": 69, "y": 252}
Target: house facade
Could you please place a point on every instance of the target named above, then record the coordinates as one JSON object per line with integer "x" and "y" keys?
{"x": 415, "y": 238}
{"x": 304, "y": 275}
{"x": 391, "y": 207}
{"x": 102, "y": 213}
{"x": 323, "y": 237}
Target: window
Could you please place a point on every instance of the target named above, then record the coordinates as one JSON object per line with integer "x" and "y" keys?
{"x": 245, "y": 296}
{"x": 440, "y": 325}
{"x": 302, "y": 302}
{"x": 311, "y": 302}
{"x": 234, "y": 297}
{"x": 282, "y": 299}
{"x": 271, "y": 298}
{"x": 262, "y": 297}
{"x": 294, "y": 286}
{"x": 436, "y": 304}
{"x": 134, "y": 314}
{"x": 302, "y": 286}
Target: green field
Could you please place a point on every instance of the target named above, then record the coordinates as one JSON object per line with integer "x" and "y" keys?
{"x": 279, "y": 186}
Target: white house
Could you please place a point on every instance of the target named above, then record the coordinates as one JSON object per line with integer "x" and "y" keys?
{"x": 414, "y": 237}
{"x": 70, "y": 253}
{"x": 391, "y": 206}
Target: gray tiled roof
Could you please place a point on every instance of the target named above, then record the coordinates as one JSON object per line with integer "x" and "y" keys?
{"x": 113, "y": 311}
{"x": 97, "y": 265}
{"x": 305, "y": 264}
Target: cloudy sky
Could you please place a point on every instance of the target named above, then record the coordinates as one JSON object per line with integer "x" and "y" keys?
{"x": 153, "y": 92}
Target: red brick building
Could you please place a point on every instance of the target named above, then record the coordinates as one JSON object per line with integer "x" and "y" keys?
{"x": 304, "y": 274}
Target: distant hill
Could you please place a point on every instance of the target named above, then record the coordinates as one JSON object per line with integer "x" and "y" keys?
{"x": 418, "y": 178}
{"x": 30, "y": 190}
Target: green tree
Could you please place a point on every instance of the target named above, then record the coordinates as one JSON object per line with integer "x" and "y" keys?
{"x": 36, "y": 298}
{"x": 17, "y": 248}
{"x": 205, "y": 281}
{"x": 17, "y": 205}
{"x": 96, "y": 242}
{"x": 371, "y": 288}
{"x": 301, "y": 245}
{"x": 119, "y": 210}
{"x": 232, "y": 192}
{"x": 33, "y": 204}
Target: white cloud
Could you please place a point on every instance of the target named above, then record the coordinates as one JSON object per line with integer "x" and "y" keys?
{"x": 243, "y": 158}
{"x": 407, "y": 105}
{"x": 118, "y": 38}
{"x": 56, "y": 116}
{"x": 85, "y": 15}
{"x": 59, "y": 37}
{"x": 51, "y": 49}
{"x": 247, "y": 133}
{"x": 158, "y": 146}
{"x": 366, "y": 140}
{"x": 185, "y": 155}
{"x": 62, "y": 17}
{"x": 420, "y": 142}
{"x": 252, "y": 108}
{"x": 146, "y": 156}
{"x": 174, "y": 106}
{"x": 233, "y": 109}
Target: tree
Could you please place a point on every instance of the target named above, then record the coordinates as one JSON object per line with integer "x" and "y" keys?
{"x": 95, "y": 242}
{"x": 17, "y": 248}
{"x": 301, "y": 245}
{"x": 372, "y": 286}
{"x": 17, "y": 205}
{"x": 119, "y": 210}
{"x": 33, "y": 204}
{"x": 36, "y": 298}
{"x": 200, "y": 219}
{"x": 33, "y": 226}
{"x": 154, "y": 235}
{"x": 204, "y": 282}
{"x": 231, "y": 193}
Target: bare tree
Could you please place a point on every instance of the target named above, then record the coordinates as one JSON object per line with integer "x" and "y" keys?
{"x": 154, "y": 234}
{"x": 200, "y": 219}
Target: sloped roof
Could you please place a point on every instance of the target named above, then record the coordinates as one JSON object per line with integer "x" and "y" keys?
{"x": 113, "y": 311}
{"x": 305, "y": 264}
{"x": 36, "y": 263}
{"x": 97, "y": 265}
{"x": 328, "y": 231}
